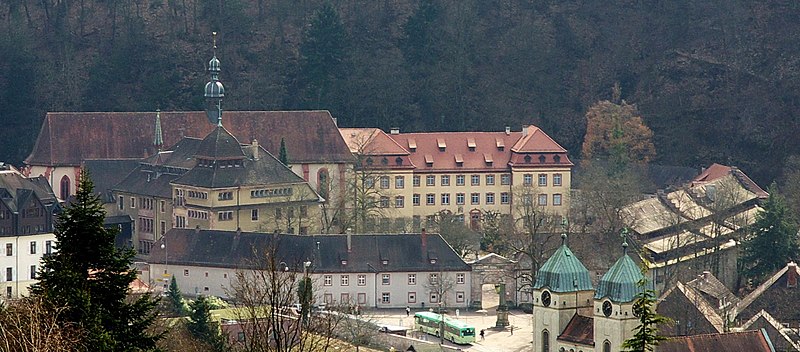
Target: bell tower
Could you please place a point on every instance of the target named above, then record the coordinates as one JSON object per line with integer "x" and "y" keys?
{"x": 214, "y": 91}
{"x": 563, "y": 286}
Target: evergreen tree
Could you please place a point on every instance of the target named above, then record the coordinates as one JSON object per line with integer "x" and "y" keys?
{"x": 772, "y": 241}
{"x": 201, "y": 326}
{"x": 90, "y": 278}
{"x": 175, "y": 299}
{"x": 646, "y": 337}
{"x": 283, "y": 156}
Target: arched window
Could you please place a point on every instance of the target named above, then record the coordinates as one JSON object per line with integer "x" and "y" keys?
{"x": 545, "y": 341}
{"x": 65, "y": 184}
{"x": 323, "y": 183}
{"x": 606, "y": 346}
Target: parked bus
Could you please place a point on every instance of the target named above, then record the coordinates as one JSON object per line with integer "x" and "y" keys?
{"x": 455, "y": 331}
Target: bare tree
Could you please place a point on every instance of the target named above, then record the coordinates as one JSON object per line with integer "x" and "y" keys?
{"x": 451, "y": 226}
{"x": 29, "y": 324}
{"x": 294, "y": 213}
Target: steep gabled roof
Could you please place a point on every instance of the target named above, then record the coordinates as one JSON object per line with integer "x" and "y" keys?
{"x": 750, "y": 341}
{"x": 580, "y": 330}
{"x": 220, "y": 145}
{"x": 406, "y": 252}
{"x": 707, "y": 311}
{"x": 534, "y": 140}
{"x": 784, "y": 339}
{"x": 563, "y": 272}
{"x": 620, "y": 283}
{"x": 779, "y": 295}
{"x": 717, "y": 171}
{"x": 451, "y": 151}
{"x": 371, "y": 141}
{"x": 107, "y": 173}
{"x": 310, "y": 136}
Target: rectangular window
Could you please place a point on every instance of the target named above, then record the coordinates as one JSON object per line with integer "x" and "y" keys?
{"x": 385, "y": 279}
{"x": 434, "y": 279}
{"x": 185, "y": 272}
{"x": 460, "y": 297}
{"x": 527, "y": 179}
{"x": 445, "y": 180}
{"x": 399, "y": 202}
{"x": 225, "y": 215}
{"x": 415, "y": 181}
{"x": 48, "y": 247}
{"x": 385, "y": 298}
{"x": 327, "y": 280}
{"x": 33, "y": 272}
{"x": 460, "y": 180}
{"x": 505, "y": 179}
{"x": 344, "y": 298}
{"x": 327, "y": 298}
{"x": 33, "y": 247}
{"x": 384, "y": 182}
{"x": 475, "y": 180}
{"x": 369, "y": 183}
{"x": 8, "y": 291}
{"x": 362, "y": 298}
{"x": 434, "y": 298}
{"x": 504, "y": 199}
{"x": 445, "y": 198}
{"x": 254, "y": 214}
{"x": 345, "y": 280}
{"x": 430, "y": 199}
{"x": 225, "y": 196}
{"x": 412, "y": 279}
{"x": 303, "y": 210}
{"x": 399, "y": 182}
{"x": 556, "y": 199}
{"x": 556, "y": 179}
{"x": 384, "y": 202}
{"x": 412, "y": 297}
{"x": 163, "y": 206}
{"x": 460, "y": 278}
{"x": 542, "y": 199}
{"x": 490, "y": 180}
{"x": 121, "y": 203}
{"x": 180, "y": 222}
{"x": 460, "y": 198}
{"x": 9, "y": 274}
{"x": 489, "y": 198}
{"x": 476, "y": 198}
{"x": 163, "y": 228}
{"x": 415, "y": 199}
{"x": 362, "y": 280}
{"x": 542, "y": 180}
{"x": 133, "y": 202}
{"x": 430, "y": 180}
{"x": 9, "y": 249}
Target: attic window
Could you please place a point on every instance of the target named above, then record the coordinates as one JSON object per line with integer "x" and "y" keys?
{"x": 557, "y": 159}
{"x": 385, "y": 262}
{"x": 433, "y": 261}
{"x": 344, "y": 261}
{"x": 459, "y": 160}
{"x": 471, "y": 144}
{"x": 527, "y": 159}
{"x": 429, "y": 160}
{"x": 384, "y": 161}
{"x": 398, "y": 161}
{"x": 487, "y": 158}
{"x": 500, "y": 144}
{"x": 412, "y": 144}
{"x": 369, "y": 161}
{"x": 442, "y": 145}
{"x": 541, "y": 159}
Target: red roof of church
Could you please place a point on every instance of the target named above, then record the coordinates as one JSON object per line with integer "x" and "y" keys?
{"x": 580, "y": 329}
{"x": 68, "y": 138}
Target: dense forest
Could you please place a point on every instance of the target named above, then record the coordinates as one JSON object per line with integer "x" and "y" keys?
{"x": 716, "y": 81}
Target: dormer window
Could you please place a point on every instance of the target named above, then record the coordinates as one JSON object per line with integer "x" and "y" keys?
{"x": 433, "y": 261}
{"x": 412, "y": 145}
{"x": 442, "y": 145}
{"x": 385, "y": 262}
{"x": 459, "y": 160}
{"x": 528, "y": 159}
{"x": 541, "y": 159}
{"x": 500, "y": 144}
{"x": 557, "y": 159}
{"x": 398, "y": 161}
{"x": 428, "y": 160}
{"x": 385, "y": 161}
{"x": 471, "y": 144}
{"x": 488, "y": 159}
{"x": 369, "y": 161}
{"x": 344, "y": 261}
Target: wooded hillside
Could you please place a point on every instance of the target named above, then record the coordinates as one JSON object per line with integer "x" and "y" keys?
{"x": 716, "y": 81}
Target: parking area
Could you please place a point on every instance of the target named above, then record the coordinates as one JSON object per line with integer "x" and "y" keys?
{"x": 496, "y": 340}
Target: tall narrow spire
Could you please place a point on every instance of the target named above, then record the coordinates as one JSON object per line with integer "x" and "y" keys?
{"x": 214, "y": 91}
{"x": 158, "y": 138}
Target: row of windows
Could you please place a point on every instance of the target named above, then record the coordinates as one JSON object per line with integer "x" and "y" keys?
{"x": 10, "y": 273}
{"x": 225, "y": 215}
{"x": 27, "y": 229}
{"x": 198, "y": 195}
{"x": 144, "y": 203}
{"x": 277, "y": 192}
{"x": 460, "y": 180}
{"x": 475, "y": 198}
{"x": 48, "y": 245}
{"x": 225, "y": 195}
{"x": 344, "y": 280}
{"x": 145, "y": 225}
{"x": 386, "y": 297}
{"x": 541, "y": 181}
{"x": 197, "y": 214}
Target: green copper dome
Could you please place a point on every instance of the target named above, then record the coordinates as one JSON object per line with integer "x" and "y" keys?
{"x": 563, "y": 272}
{"x": 621, "y": 283}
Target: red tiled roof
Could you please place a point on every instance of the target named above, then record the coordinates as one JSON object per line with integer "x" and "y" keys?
{"x": 716, "y": 171}
{"x": 580, "y": 329}
{"x": 446, "y": 148}
{"x": 67, "y": 138}
{"x": 750, "y": 341}
{"x": 371, "y": 141}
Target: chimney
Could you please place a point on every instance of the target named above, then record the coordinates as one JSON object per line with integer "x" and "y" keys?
{"x": 424, "y": 237}
{"x": 349, "y": 242}
{"x": 508, "y": 130}
{"x": 395, "y": 130}
{"x": 254, "y": 145}
{"x": 525, "y": 130}
{"x": 791, "y": 275}
{"x": 706, "y": 275}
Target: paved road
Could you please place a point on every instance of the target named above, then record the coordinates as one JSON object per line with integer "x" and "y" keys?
{"x": 496, "y": 340}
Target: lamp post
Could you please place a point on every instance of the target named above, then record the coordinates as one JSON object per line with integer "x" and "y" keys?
{"x": 305, "y": 299}
{"x": 166, "y": 266}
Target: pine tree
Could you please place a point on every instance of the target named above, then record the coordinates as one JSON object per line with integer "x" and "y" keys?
{"x": 90, "y": 278}
{"x": 772, "y": 241}
{"x": 201, "y": 326}
{"x": 283, "y": 156}
{"x": 175, "y": 298}
{"x": 646, "y": 337}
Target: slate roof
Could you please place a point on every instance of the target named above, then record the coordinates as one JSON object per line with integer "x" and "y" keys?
{"x": 310, "y": 136}
{"x": 779, "y": 295}
{"x": 220, "y": 145}
{"x": 264, "y": 171}
{"x": 712, "y": 321}
{"x": 230, "y": 249}
{"x": 580, "y": 330}
{"x": 106, "y": 173}
{"x": 620, "y": 283}
{"x": 147, "y": 183}
{"x": 783, "y": 339}
{"x": 750, "y": 341}
{"x": 563, "y": 272}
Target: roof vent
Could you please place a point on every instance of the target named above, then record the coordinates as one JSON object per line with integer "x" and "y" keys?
{"x": 441, "y": 143}
{"x": 395, "y": 130}
{"x": 508, "y": 130}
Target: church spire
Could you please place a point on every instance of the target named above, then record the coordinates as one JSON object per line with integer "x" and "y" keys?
{"x": 214, "y": 91}
{"x": 158, "y": 138}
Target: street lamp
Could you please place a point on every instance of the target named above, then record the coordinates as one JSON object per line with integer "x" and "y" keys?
{"x": 164, "y": 247}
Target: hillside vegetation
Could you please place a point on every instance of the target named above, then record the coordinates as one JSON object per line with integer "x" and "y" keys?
{"x": 716, "y": 81}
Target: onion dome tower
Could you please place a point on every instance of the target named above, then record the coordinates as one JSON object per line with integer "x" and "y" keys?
{"x": 214, "y": 91}
{"x": 613, "y": 303}
{"x": 563, "y": 285}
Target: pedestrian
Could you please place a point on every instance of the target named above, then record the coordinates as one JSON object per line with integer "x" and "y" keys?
{"x": 483, "y": 334}
{"x": 408, "y": 311}
{"x": 512, "y": 329}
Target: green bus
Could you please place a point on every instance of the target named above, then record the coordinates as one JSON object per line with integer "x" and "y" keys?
{"x": 455, "y": 331}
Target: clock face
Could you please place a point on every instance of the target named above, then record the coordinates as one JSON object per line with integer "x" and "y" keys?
{"x": 546, "y": 298}
{"x": 607, "y": 309}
